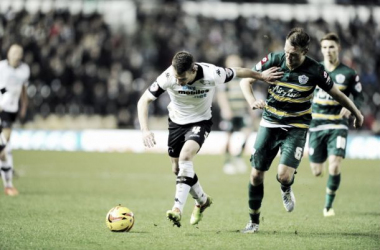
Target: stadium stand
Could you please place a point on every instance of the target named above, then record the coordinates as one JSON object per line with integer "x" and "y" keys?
{"x": 85, "y": 73}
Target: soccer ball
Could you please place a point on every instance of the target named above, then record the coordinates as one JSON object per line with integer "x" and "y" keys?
{"x": 120, "y": 219}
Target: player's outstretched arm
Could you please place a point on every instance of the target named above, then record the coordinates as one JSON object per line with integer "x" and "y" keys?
{"x": 246, "y": 88}
{"x": 348, "y": 104}
{"x": 268, "y": 75}
{"x": 142, "y": 112}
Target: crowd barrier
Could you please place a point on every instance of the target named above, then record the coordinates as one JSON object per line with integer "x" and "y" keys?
{"x": 359, "y": 146}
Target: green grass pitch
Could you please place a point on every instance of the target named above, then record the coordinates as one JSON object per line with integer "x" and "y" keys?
{"x": 64, "y": 198}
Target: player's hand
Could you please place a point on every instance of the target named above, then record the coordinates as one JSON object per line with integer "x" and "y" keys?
{"x": 345, "y": 113}
{"x": 258, "y": 104}
{"x": 358, "y": 122}
{"x": 271, "y": 75}
{"x": 148, "y": 138}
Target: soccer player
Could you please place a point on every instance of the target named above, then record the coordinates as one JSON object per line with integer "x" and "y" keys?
{"x": 14, "y": 76}
{"x": 286, "y": 118}
{"x": 236, "y": 117}
{"x": 329, "y": 127}
{"x": 191, "y": 87}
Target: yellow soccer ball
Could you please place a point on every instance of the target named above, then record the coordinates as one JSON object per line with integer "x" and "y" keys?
{"x": 120, "y": 219}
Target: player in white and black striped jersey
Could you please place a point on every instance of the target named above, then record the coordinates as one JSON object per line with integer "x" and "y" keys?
{"x": 191, "y": 87}
{"x": 14, "y": 76}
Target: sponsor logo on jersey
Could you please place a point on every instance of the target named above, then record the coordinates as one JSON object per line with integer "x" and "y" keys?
{"x": 264, "y": 60}
{"x": 303, "y": 79}
{"x": 154, "y": 87}
{"x": 340, "y": 78}
{"x": 218, "y": 72}
{"x": 193, "y": 92}
{"x": 358, "y": 87}
{"x": 167, "y": 75}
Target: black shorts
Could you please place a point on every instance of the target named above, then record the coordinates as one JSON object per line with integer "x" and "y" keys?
{"x": 179, "y": 134}
{"x": 7, "y": 118}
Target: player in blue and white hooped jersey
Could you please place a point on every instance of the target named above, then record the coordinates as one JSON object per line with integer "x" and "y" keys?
{"x": 14, "y": 76}
{"x": 191, "y": 87}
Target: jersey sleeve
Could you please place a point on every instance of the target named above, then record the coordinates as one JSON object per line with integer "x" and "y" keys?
{"x": 324, "y": 80}
{"x": 264, "y": 64}
{"x": 356, "y": 90}
{"x": 223, "y": 75}
{"x": 160, "y": 85}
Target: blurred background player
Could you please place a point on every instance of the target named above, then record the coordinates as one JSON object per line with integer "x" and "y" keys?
{"x": 14, "y": 76}
{"x": 329, "y": 127}
{"x": 236, "y": 117}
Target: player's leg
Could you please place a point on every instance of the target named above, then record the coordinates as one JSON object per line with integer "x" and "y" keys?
{"x": 285, "y": 176}
{"x": 197, "y": 135}
{"x": 6, "y": 165}
{"x": 228, "y": 167}
{"x": 337, "y": 151}
{"x": 317, "y": 152}
{"x": 264, "y": 151}
{"x": 291, "y": 155}
{"x": 185, "y": 180}
{"x": 240, "y": 125}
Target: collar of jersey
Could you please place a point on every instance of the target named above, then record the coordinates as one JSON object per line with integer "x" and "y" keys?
{"x": 199, "y": 74}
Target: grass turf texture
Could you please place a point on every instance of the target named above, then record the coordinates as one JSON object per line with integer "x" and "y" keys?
{"x": 64, "y": 198}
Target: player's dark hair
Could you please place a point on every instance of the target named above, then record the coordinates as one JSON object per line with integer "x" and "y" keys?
{"x": 331, "y": 37}
{"x": 298, "y": 38}
{"x": 182, "y": 62}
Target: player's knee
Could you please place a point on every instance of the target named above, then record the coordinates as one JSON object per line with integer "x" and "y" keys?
{"x": 334, "y": 169}
{"x": 334, "y": 164}
{"x": 285, "y": 178}
{"x": 316, "y": 169}
{"x": 256, "y": 178}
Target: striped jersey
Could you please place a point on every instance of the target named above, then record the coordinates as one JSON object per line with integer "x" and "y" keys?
{"x": 192, "y": 102}
{"x": 325, "y": 109}
{"x": 289, "y": 101}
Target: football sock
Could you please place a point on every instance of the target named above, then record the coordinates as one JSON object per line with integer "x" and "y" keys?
{"x": 197, "y": 192}
{"x": 332, "y": 186}
{"x": 7, "y": 168}
{"x": 255, "y": 197}
{"x": 185, "y": 180}
{"x": 6, "y": 175}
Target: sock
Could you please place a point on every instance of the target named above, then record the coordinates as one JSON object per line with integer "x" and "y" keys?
{"x": 255, "y": 197}
{"x": 332, "y": 186}
{"x": 197, "y": 192}
{"x": 286, "y": 187}
{"x": 6, "y": 175}
{"x": 185, "y": 180}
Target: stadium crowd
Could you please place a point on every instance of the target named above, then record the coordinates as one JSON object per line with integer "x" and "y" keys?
{"x": 79, "y": 65}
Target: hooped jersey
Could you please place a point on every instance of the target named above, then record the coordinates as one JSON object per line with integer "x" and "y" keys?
{"x": 192, "y": 102}
{"x": 12, "y": 81}
{"x": 289, "y": 100}
{"x": 326, "y": 111}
